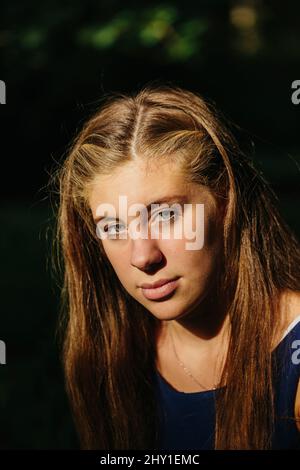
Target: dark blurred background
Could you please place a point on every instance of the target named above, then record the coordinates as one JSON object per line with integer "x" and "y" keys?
{"x": 57, "y": 59}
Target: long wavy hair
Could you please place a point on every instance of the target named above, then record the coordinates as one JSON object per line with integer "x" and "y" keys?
{"x": 109, "y": 339}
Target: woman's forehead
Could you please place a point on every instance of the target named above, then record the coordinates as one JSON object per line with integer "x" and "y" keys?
{"x": 139, "y": 184}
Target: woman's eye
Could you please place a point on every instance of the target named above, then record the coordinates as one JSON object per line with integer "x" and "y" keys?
{"x": 107, "y": 229}
{"x": 114, "y": 230}
{"x": 167, "y": 211}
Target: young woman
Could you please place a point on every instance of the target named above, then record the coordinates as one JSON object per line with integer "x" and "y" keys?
{"x": 170, "y": 344}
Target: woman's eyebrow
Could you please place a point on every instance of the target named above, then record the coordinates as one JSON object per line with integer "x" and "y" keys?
{"x": 176, "y": 198}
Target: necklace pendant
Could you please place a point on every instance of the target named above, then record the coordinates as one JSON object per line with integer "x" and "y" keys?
{"x": 186, "y": 370}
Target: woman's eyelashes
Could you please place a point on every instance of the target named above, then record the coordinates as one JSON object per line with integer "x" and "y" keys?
{"x": 108, "y": 229}
{"x": 174, "y": 217}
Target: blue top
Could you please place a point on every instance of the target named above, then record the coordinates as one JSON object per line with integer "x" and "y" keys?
{"x": 188, "y": 419}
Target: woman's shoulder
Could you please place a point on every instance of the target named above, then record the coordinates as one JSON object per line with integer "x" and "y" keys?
{"x": 290, "y": 310}
{"x": 289, "y": 306}
{"x": 292, "y": 299}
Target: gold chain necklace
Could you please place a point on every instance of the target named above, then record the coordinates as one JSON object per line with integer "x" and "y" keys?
{"x": 186, "y": 370}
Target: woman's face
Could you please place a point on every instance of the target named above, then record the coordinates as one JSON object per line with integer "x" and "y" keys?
{"x": 138, "y": 260}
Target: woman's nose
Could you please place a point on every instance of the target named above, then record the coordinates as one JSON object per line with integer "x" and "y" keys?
{"x": 145, "y": 254}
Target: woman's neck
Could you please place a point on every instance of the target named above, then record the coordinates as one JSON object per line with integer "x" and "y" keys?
{"x": 201, "y": 330}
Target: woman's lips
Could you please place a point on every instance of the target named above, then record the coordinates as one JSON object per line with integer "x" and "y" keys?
{"x": 160, "y": 292}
